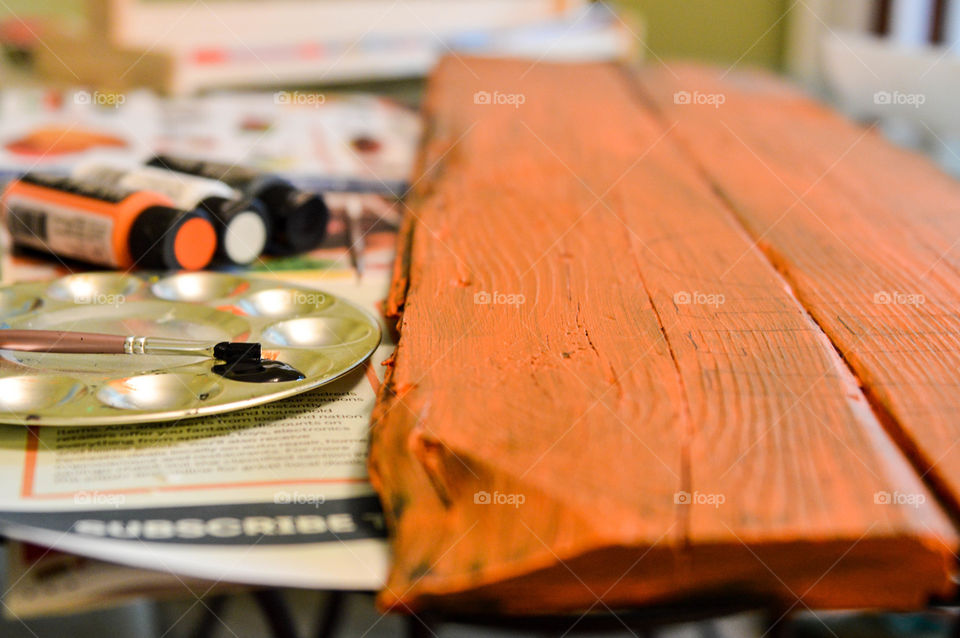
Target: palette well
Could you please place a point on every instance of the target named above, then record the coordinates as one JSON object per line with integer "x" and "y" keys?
{"x": 319, "y": 334}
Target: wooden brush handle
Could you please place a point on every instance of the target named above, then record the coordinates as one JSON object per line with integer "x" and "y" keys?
{"x": 58, "y": 341}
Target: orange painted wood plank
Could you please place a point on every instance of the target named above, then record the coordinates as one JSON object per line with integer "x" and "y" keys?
{"x": 604, "y": 394}
{"x": 866, "y": 233}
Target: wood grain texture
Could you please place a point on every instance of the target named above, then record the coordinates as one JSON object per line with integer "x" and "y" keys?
{"x": 587, "y": 326}
{"x": 866, "y": 233}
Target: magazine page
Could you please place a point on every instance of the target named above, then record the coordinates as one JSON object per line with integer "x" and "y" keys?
{"x": 273, "y": 494}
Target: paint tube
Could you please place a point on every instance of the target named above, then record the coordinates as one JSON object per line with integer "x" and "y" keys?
{"x": 107, "y": 226}
{"x": 298, "y": 218}
{"x": 241, "y": 222}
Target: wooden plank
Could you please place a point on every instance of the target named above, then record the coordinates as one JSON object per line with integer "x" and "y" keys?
{"x": 866, "y": 233}
{"x": 586, "y": 326}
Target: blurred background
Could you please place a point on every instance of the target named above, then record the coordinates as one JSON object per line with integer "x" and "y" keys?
{"x": 123, "y": 63}
{"x": 895, "y": 61}
{"x": 892, "y": 61}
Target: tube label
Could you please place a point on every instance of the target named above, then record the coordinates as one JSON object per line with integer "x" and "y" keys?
{"x": 239, "y": 177}
{"x": 185, "y": 191}
{"x": 60, "y": 230}
{"x": 104, "y": 192}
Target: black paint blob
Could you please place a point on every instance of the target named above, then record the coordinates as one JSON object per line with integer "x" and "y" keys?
{"x": 258, "y": 371}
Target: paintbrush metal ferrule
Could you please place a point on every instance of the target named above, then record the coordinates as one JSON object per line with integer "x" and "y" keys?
{"x": 160, "y": 345}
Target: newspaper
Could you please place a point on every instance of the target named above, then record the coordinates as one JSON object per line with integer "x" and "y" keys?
{"x": 272, "y": 495}
{"x": 325, "y": 141}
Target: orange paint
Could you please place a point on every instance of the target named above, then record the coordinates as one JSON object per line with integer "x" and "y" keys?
{"x": 29, "y": 462}
{"x": 236, "y": 310}
{"x": 195, "y": 243}
{"x": 241, "y": 288}
{"x": 586, "y": 324}
{"x": 864, "y": 232}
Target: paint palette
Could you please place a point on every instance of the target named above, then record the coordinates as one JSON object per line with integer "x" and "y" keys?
{"x": 321, "y": 335}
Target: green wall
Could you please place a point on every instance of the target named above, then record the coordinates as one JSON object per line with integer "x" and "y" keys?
{"x": 71, "y": 8}
{"x": 714, "y": 30}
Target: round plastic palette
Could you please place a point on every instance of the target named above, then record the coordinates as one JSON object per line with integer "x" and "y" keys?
{"x": 317, "y": 333}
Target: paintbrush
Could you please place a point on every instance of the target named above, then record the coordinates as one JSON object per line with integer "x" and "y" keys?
{"x": 56, "y": 341}
{"x": 353, "y": 214}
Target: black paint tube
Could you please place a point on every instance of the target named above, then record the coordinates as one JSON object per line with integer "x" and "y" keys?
{"x": 298, "y": 218}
